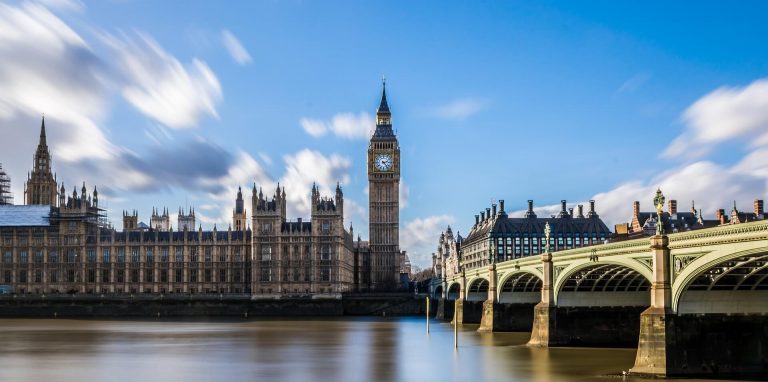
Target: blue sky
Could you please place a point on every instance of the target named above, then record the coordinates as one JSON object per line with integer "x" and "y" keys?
{"x": 177, "y": 103}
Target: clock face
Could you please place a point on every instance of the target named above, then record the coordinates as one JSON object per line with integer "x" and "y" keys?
{"x": 383, "y": 162}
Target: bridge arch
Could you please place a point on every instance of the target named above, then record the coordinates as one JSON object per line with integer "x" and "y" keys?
{"x": 604, "y": 283}
{"x": 454, "y": 290}
{"x": 723, "y": 282}
{"x": 438, "y": 292}
{"x": 520, "y": 287}
{"x": 477, "y": 289}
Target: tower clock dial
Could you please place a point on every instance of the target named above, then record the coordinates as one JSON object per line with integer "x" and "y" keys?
{"x": 383, "y": 162}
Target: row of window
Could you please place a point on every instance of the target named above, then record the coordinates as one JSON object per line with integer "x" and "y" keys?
{"x": 121, "y": 276}
{"x": 106, "y": 255}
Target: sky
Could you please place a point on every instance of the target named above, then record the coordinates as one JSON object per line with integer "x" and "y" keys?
{"x": 177, "y": 103}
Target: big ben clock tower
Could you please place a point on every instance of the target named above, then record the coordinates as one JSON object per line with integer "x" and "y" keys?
{"x": 384, "y": 199}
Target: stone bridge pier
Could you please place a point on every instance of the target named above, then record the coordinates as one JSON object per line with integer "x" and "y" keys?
{"x": 711, "y": 320}
{"x": 510, "y": 303}
{"x": 591, "y": 304}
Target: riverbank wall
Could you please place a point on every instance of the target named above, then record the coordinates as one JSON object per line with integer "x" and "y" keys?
{"x": 80, "y": 306}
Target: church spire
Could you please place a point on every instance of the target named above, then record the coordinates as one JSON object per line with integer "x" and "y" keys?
{"x": 42, "y": 133}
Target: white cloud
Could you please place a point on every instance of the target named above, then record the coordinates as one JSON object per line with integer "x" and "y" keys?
{"x": 692, "y": 182}
{"x": 235, "y": 48}
{"x": 159, "y": 86}
{"x": 343, "y": 125}
{"x": 265, "y": 158}
{"x": 460, "y": 109}
{"x": 419, "y": 237}
{"x": 313, "y": 127}
{"x": 48, "y": 68}
{"x": 307, "y": 167}
{"x": 66, "y": 5}
{"x": 726, "y": 113}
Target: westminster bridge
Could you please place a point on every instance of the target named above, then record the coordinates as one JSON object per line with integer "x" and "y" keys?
{"x": 694, "y": 303}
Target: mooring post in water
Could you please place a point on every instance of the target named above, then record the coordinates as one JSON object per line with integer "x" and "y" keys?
{"x": 427, "y": 314}
{"x": 455, "y": 330}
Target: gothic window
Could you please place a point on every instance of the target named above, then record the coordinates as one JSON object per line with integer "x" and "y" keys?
{"x": 164, "y": 254}
{"x": 150, "y": 257}
{"x": 105, "y": 256}
{"x": 23, "y": 257}
{"x": 105, "y": 276}
{"x": 91, "y": 255}
{"x": 121, "y": 255}
{"x": 135, "y": 255}
{"x": 39, "y": 256}
{"x": 326, "y": 227}
{"x": 266, "y": 274}
{"x": 179, "y": 275}
{"x": 266, "y": 253}
{"x": 7, "y": 257}
{"x": 325, "y": 252}
{"x": 179, "y": 257}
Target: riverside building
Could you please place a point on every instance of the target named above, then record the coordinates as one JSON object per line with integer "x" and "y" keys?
{"x": 63, "y": 243}
{"x": 496, "y": 237}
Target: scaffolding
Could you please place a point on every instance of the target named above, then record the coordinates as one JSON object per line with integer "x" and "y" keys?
{"x": 6, "y": 197}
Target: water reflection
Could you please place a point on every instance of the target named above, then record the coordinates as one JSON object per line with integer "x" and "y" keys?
{"x": 286, "y": 350}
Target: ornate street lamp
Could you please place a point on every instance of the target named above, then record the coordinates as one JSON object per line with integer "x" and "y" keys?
{"x": 658, "y": 201}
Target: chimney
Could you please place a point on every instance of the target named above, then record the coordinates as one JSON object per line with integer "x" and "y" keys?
{"x": 494, "y": 209}
{"x": 482, "y": 216}
{"x": 529, "y": 213}
{"x": 477, "y": 219}
{"x": 299, "y": 220}
{"x": 672, "y": 206}
{"x": 501, "y": 206}
{"x": 570, "y": 211}
{"x": 562, "y": 204}
{"x": 581, "y": 211}
{"x": 488, "y": 213}
{"x": 635, "y": 208}
{"x": 592, "y": 207}
{"x": 758, "y": 207}
{"x": 720, "y": 215}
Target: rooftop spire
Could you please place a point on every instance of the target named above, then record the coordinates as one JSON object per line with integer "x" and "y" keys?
{"x": 383, "y": 106}
{"x": 42, "y": 132}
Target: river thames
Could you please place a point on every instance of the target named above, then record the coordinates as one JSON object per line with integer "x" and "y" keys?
{"x": 363, "y": 349}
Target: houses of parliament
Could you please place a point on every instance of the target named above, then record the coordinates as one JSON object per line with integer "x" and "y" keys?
{"x": 61, "y": 242}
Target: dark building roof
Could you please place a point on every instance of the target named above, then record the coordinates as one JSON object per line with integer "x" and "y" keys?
{"x": 562, "y": 224}
{"x": 25, "y": 216}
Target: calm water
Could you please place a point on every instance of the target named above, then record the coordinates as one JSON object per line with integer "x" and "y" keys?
{"x": 286, "y": 350}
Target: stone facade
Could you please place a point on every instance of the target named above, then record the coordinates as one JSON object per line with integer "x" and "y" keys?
{"x": 298, "y": 257}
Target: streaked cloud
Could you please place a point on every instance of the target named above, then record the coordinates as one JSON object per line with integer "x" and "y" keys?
{"x": 633, "y": 83}
{"x": 235, "y": 48}
{"x": 725, "y": 114}
{"x": 460, "y": 109}
{"x": 342, "y": 125}
{"x": 158, "y": 85}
